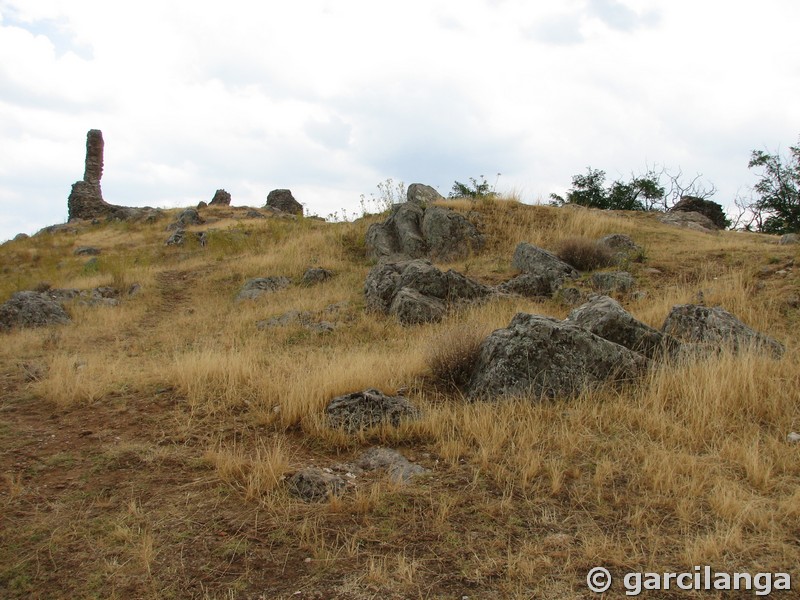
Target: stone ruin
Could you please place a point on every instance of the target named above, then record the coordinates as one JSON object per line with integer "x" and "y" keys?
{"x": 86, "y": 198}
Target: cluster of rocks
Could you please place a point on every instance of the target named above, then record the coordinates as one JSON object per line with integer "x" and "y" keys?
{"x": 415, "y": 291}
{"x": 318, "y": 484}
{"x": 86, "y": 198}
{"x": 44, "y": 307}
{"x": 354, "y": 413}
{"x": 598, "y": 342}
{"x": 417, "y": 229}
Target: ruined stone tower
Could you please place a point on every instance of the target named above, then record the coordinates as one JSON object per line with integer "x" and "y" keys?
{"x": 86, "y": 199}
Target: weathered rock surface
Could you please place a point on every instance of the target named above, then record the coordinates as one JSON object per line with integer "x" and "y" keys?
{"x": 370, "y": 408}
{"x": 303, "y": 317}
{"x": 221, "y": 198}
{"x": 415, "y": 230}
{"x": 257, "y": 287}
{"x": 179, "y": 236}
{"x": 188, "y": 217}
{"x": 614, "y": 281}
{"x": 315, "y": 275}
{"x": 539, "y": 356}
{"x": 31, "y": 309}
{"x": 786, "y": 239}
{"x": 422, "y": 194}
{"x": 708, "y": 208}
{"x": 605, "y": 317}
{"x": 690, "y": 220}
{"x": 313, "y": 484}
{"x": 530, "y": 285}
{"x": 412, "y": 307}
{"x": 419, "y": 278}
{"x": 395, "y": 464}
{"x": 623, "y": 247}
{"x": 283, "y": 201}
{"x": 551, "y": 271}
{"x": 86, "y": 251}
{"x": 712, "y": 328}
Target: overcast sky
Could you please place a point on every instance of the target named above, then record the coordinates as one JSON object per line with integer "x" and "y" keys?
{"x": 328, "y": 98}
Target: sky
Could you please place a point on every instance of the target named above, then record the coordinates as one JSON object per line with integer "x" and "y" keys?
{"x": 329, "y": 98}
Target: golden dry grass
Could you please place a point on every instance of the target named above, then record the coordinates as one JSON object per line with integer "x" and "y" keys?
{"x": 689, "y": 466}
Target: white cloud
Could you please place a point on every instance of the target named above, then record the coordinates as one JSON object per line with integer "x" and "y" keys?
{"x": 328, "y": 98}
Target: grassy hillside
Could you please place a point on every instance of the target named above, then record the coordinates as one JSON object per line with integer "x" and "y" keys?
{"x": 144, "y": 446}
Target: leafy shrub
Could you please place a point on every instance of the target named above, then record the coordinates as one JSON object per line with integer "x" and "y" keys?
{"x": 585, "y": 254}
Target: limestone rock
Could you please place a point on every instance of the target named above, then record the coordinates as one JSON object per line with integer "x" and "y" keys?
{"x": 315, "y": 275}
{"x": 369, "y": 408}
{"x": 529, "y": 285}
{"x": 221, "y": 198}
{"x": 313, "y": 484}
{"x": 422, "y": 195}
{"x": 417, "y": 279}
{"x": 714, "y": 327}
{"x": 416, "y": 230}
{"x": 395, "y": 464}
{"x": 188, "y": 217}
{"x": 787, "y": 238}
{"x": 86, "y": 251}
{"x": 412, "y": 307}
{"x": 614, "y": 281}
{"x": 605, "y": 317}
{"x": 449, "y": 235}
{"x": 257, "y": 287}
{"x": 284, "y": 201}
{"x": 690, "y": 220}
{"x": 31, "y": 309}
{"x": 538, "y": 356}
{"x": 547, "y": 266}
{"x": 713, "y": 211}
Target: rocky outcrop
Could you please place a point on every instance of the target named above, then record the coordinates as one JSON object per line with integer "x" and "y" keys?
{"x": 221, "y": 198}
{"x": 623, "y": 247}
{"x": 369, "y": 408}
{"x": 257, "y": 287}
{"x": 544, "y": 266}
{"x": 188, "y": 217}
{"x": 786, "y": 239}
{"x": 179, "y": 237}
{"x": 86, "y": 198}
{"x": 611, "y": 282}
{"x": 398, "y": 467}
{"x": 713, "y": 211}
{"x": 415, "y": 229}
{"x": 711, "y": 328}
{"x": 690, "y": 220}
{"x": 605, "y": 317}
{"x": 31, "y": 309}
{"x": 530, "y": 285}
{"x": 420, "y": 282}
{"x": 283, "y": 201}
{"x": 538, "y": 356}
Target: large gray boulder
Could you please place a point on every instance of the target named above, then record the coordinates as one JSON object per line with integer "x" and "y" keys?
{"x": 31, "y": 309}
{"x": 538, "y": 356}
{"x": 530, "y": 285}
{"x": 613, "y": 281}
{"x": 708, "y": 208}
{"x": 283, "y": 201}
{"x": 412, "y": 307}
{"x": 221, "y": 198}
{"x": 531, "y": 259}
{"x": 416, "y": 229}
{"x": 449, "y": 235}
{"x": 369, "y": 408}
{"x": 422, "y": 195}
{"x": 605, "y": 317}
{"x": 711, "y": 328}
{"x": 422, "y": 283}
{"x": 690, "y": 220}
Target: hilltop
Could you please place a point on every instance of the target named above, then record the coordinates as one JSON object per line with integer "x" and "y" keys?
{"x": 147, "y": 444}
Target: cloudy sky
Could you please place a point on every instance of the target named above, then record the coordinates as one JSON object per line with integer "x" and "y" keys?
{"x": 330, "y": 97}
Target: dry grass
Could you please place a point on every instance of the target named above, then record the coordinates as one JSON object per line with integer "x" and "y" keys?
{"x": 585, "y": 254}
{"x": 148, "y": 442}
